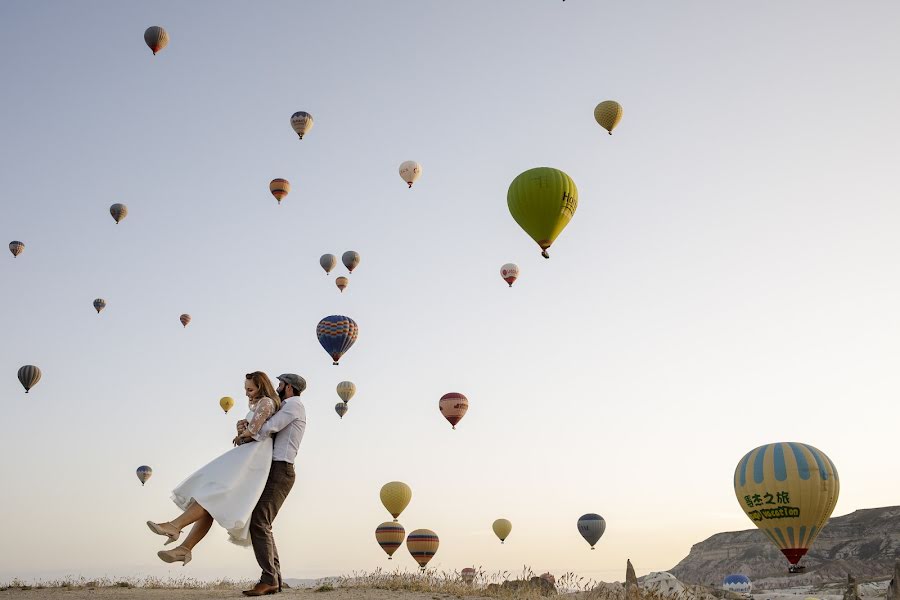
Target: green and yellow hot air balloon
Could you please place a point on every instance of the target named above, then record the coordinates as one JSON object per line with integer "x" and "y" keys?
{"x": 542, "y": 201}
{"x": 788, "y": 490}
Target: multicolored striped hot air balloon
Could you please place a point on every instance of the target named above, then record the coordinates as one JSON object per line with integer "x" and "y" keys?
{"x": 16, "y": 247}
{"x": 29, "y": 375}
{"x": 502, "y": 528}
{"x": 453, "y": 406}
{"x": 346, "y": 390}
{"x": 144, "y": 473}
{"x": 410, "y": 171}
{"x": 591, "y": 527}
{"x": 156, "y": 38}
{"x": 99, "y": 304}
{"x": 341, "y": 409}
{"x": 395, "y": 496}
{"x": 389, "y": 536}
{"x": 542, "y": 201}
{"x": 350, "y": 259}
{"x": 227, "y": 403}
{"x": 279, "y": 188}
{"x": 737, "y": 583}
{"x": 788, "y": 490}
{"x": 468, "y": 575}
{"x": 337, "y": 334}
{"x": 118, "y": 212}
{"x": 301, "y": 122}
{"x": 608, "y": 114}
{"x": 185, "y": 319}
{"x": 509, "y": 272}
{"x": 327, "y": 262}
{"x": 423, "y": 545}
{"x": 342, "y": 283}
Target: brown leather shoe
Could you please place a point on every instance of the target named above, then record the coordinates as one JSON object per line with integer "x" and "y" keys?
{"x": 261, "y": 589}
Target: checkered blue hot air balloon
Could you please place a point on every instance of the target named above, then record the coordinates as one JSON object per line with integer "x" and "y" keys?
{"x": 143, "y": 473}
{"x": 737, "y": 583}
{"x": 336, "y": 334}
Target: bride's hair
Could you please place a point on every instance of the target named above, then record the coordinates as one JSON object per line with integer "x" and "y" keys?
{"x": 266, "y": 390}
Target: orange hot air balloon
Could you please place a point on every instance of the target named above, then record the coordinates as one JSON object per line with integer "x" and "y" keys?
{"x": 453, "y": 406}
{"x": 389, "y": 536}
{"x": 342, "y": 283}
{"x": 279, "y": 188}
{"x": 185, "y": 319}
{"x": 423, "y": 545}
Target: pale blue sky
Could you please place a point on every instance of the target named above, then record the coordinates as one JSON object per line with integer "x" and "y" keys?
{"x": 729, "y": 278}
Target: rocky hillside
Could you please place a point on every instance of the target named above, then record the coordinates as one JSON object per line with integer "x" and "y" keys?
{"x": 865, "y": 543}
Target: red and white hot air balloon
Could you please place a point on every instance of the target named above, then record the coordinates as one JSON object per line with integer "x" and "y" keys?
{"x": 509, "y": 272}
{"x": 453, "y": 406}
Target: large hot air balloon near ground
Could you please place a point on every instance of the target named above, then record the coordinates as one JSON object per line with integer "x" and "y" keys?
{"x": 346, "y": 390}
{"x": 185, "y": 319}
{"x": 342, "y": 283}
{"x": 341, "y": 409}
{"x": 423, "y": 545}
{"x": 410, "y": 171}
{"x": 337, "y": 334}
{"x": 350, "y": 259}
{"x": 509, "y": 272}
{"x": 327, "y": 262}
{"x": 591, "y": 527}
{"x": 608, "y": 114}
{"x": 143, "y": 473}
{"x": 279, "y": 188}
{"x": 395, "y": 497}
{"x": 737, "y": 583}
{"x": 788, "y": 490}
{"x": 227, "y": 403}
{"x": 29, "y": 375}
{"x": 16, "y": 247}
{"x": 301, "y": 122}
{"x": 542, "y": 201}
{"x": 118, "y": 212}
{"x": 156, "y": 38}
{"x": 389, "y": 536}
{"x": 453, "y": 406}
{"x": 502, "y": 528}
{"x": 99, "y": 304}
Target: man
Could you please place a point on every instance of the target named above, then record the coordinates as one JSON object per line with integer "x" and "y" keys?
{"x": 288, "y": 425}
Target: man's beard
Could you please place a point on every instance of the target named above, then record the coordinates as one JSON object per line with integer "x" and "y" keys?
{"x": 281, "y": 393}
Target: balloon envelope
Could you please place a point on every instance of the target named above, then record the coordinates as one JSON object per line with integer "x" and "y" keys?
{"x": 341, "y": 409}
{"x": 99, "y": 304}
{"x": 542, "y": 201}
{"x": 591, "y": 527}
{"x": 453, "y": 406}
{"x": 410, "y": 171}
{"x": 737, "y": 583}
{"x": 502, "y": 528}
{"x": 788, "y": 490}
{"x": 423, "y": 545}
{"x": 389, "y": 536}
{"x": 468, "y": 575}
{"x": 509, "y": 272}
{"x": 279, "y": 188}
{"x": 29, "y": 375}
{"x": 608, "y": 114}
{"x": 16, "y": 247}
{"x": 156, "y": 38}
{"x": 143, "y": 473}
{"x": 395, "y": 497}
{"x": 227, "y": 403}
{"x": 350, "y": 259}
{"x": 328, "y": 261}
{"x": 118, "y": 212}
{"x": 337, "y": 334}
{"x": 342, "y": 283}
{"x": 346, "y": 390}
{"x": 301, "y": 122}
{"x": 185, "y": 319}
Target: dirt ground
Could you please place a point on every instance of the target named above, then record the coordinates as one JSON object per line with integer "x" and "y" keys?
{"x": 147, "y": 594}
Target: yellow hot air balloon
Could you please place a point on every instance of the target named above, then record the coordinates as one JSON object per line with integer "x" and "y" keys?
{"x": 389, "y": 536}
{"x": 542, "y": 201}
{"x": 788, "y": 490}
{"x": 227, "y": 403}
{"x": 423, "y": 545}
{"x": 502, "y": 529}
{"x": 279, "y": 188}
{"x": 395, "y": 497}
{"x": 608, "y": 114}
{"x": 346, "y": 390}
{"x": 342, "y": 283}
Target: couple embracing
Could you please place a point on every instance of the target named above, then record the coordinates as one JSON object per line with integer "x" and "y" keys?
{"x": 243, "y": 489}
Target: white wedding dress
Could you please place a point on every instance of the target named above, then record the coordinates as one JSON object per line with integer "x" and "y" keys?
{"x": 230, "y": 486}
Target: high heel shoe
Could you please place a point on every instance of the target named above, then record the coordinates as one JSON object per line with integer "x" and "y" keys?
{"x": 166, "y": 530}
{"x": 175, "y": 554}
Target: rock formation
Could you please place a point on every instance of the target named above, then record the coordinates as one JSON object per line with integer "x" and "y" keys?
{"x": 852, "y": 591}
{"x": 893, "y": 591}
{"x": 632, "y": 589}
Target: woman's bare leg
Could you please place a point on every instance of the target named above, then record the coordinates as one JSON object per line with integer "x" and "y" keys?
{"x": 194, "y": 513}
{"x": 198, "y": 531}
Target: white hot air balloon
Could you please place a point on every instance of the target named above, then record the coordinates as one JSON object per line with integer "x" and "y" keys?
{"x": 302, "y": 122}
{"x": 410, "y": 171}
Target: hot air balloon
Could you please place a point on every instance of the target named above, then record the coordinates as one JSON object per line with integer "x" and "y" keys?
{"x": 227, "y": 403}
{"x": 328, "y": 261}
{"x": 608, "y": 114}
{"x": 389, "y": 536}
{"x": 350, "y": 259}
{"x": 542, "y": 201}
{"x": 423, "y": 545}
{"x": 341, "y": 409}
{"x": 337, "y": 334}
{"x": 302, "y": 122}
{"x": 29, "y": 375}
{"x": 453, "y": 406}
{"x": 509, "y": 272}
{"x": 788, "y": 490}
{"x": 346, "y": 390}
{"x": 591, "y": 527}
{"x": 468, "y": 575}
{"x": 185, "y": 319}
{"x": 99, "y": 304}
{"x": 118, "y": 212}
{"x": 395, "y": 497}
{"x": 157, "y": 38}
{"x": 410, "y": 171}
{"x": 341, "y": 283}
{"x": 16, "y": 248}
{"x": 144, "y": 473}
{"x": 279, "y": 188}
{"x": 737, "y": 583}
{"x": 502, "y": 529}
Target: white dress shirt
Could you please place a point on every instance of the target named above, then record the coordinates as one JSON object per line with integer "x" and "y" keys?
{"x": 288, "y": 425}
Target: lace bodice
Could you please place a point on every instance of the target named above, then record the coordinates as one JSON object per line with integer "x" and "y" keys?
{"x": 259, "y": 413}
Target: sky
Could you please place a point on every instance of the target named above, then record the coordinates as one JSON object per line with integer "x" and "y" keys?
{"x": 729, "y": 279}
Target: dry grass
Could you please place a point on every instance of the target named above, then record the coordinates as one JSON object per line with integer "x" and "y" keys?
{"x": 153, "y": 583}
